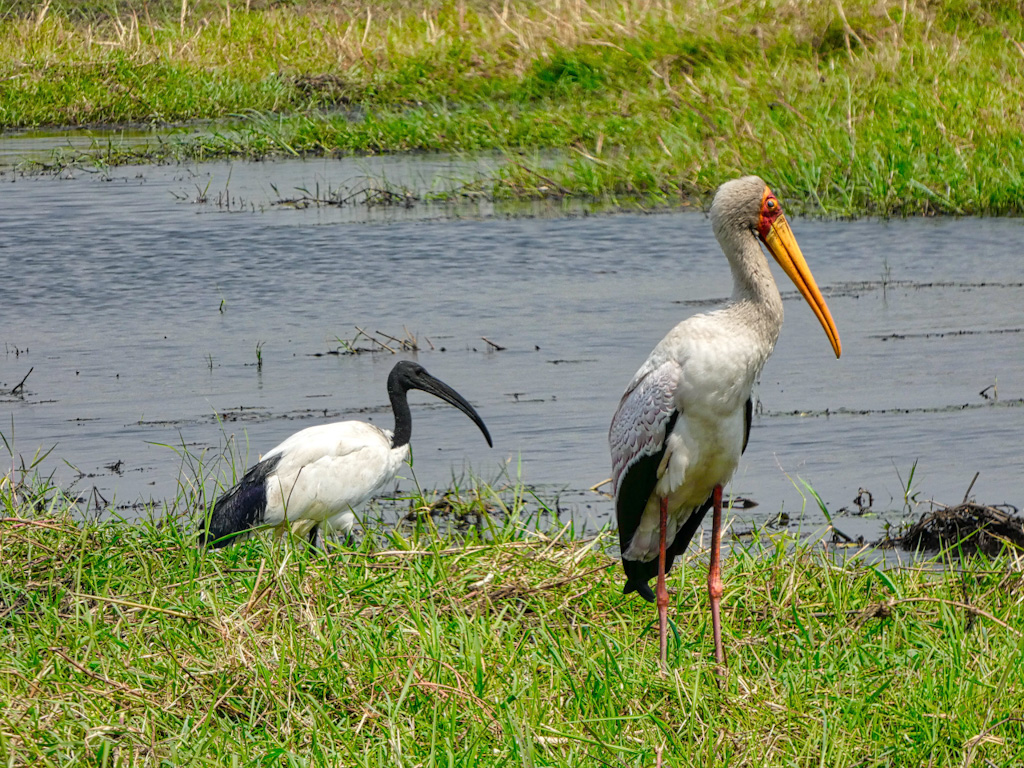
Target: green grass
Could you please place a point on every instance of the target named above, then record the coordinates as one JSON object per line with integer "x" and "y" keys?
{"x": 123, "y": 644}
{"x": 862, "y": 107}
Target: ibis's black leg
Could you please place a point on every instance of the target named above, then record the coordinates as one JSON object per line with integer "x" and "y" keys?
{"x": 715, "y": 587}
{"x": 662, "y": 591}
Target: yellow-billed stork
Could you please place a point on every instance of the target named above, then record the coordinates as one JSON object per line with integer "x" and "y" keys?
{"x": 684, "y": 419}
{"x": 319, "y": 476}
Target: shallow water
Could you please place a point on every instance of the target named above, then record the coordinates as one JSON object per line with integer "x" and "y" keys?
{"x": 139, "y": 297}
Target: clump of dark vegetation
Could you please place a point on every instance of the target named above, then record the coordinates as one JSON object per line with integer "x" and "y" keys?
{"x": 967, "y": 529}
{"x": 379, "y": 342}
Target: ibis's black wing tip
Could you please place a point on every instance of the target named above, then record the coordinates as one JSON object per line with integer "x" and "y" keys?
{"x": 240, "y": 508}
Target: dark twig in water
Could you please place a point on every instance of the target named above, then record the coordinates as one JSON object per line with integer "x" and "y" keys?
{"x": 838, "y": 537}
{"x": 20, "y": 386}
{"x": 408, "y": 343}
{"x": 864, "y": 500}
{"x": 497, "y": 347}
{"x": 967, "y": 495}
{"x": 375, "y": 340}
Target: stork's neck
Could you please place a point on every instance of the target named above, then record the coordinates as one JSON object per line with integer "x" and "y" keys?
{"x": 754, "y": 294}
{"x": 403, "y": 417}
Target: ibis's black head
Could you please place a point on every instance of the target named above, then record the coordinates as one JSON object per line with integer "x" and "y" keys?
{"x": 408, "y": 375}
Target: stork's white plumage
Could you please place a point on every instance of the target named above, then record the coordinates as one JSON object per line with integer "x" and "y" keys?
{"x": 684, "y": 419}
{"x": 319, "y": 476}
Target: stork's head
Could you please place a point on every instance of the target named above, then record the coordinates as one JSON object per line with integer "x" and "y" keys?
{"x": 746, "y": 208}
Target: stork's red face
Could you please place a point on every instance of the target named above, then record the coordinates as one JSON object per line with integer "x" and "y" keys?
{"x": 774, "y": 231}
{"x": 771, "y": 209}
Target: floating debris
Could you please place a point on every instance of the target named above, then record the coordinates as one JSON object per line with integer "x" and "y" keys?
{"x": 19, "y": 388}
{"x": 966, "y": 528}
{"x": 408, "y": 343}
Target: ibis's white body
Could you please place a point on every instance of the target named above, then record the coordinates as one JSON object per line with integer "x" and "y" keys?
{"x": 327, "y": 472}
{"x": 319, "y": 476}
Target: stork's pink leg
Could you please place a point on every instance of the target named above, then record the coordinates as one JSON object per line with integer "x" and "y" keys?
{"x": 661, "y": 593}
{"x": 715, "y": 587}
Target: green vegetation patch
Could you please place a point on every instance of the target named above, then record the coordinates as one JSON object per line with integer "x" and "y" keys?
{"x": 489, "y": 645}
{"x": 859, "y": 107}
{"x": 120, "y": 92}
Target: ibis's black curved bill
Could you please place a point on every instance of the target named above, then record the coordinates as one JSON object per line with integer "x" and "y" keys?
{"x": 438, "y": 388}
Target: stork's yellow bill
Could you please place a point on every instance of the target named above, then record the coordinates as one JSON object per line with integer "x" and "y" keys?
{"x": 778, "y": 237}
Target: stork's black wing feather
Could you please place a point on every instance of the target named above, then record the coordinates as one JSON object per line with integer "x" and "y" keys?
{"x": 635, "y": 489}
{"x": 240, "y": 508}
{"x": 748, "y": 415}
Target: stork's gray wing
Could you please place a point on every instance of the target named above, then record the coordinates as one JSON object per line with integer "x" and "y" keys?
{"x": 646, "y": 417}
{"x": 641, "y": 423}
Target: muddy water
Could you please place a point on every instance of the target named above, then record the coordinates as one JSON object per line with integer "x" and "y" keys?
{"x": 140, "y": 296}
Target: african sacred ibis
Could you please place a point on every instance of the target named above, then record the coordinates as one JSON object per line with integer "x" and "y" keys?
{"x": 684, "y": 419}
{"x": 317, "y": 477}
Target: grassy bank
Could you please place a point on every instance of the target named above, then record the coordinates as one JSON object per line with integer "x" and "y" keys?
{"x": 123, "y": 644}
{"x": 883, "y": 107}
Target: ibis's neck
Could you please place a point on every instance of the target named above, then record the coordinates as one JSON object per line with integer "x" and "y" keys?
{"x": 755, "y": 297}
{"x": 403, "y": 418}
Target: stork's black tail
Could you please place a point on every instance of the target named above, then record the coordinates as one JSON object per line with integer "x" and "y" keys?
{"x": 638, "y": 573}
{"x": 240, "y": 508}
{"x": 637, "y": 582}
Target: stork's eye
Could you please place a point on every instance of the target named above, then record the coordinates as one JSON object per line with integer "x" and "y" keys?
{"x": 771, "y": 204}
